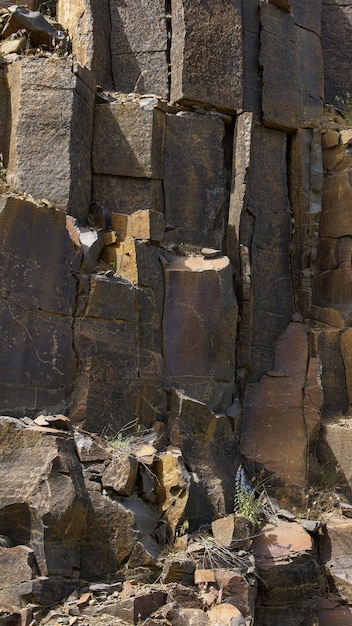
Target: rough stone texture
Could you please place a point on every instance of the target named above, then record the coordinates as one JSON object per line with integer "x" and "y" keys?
{"x": 333, "y": 379}
{"x": 56, "y": 149}
{"x": 120, "y": 194}
{"x": 109, "y": 533}
{"x": 4, "y": 116}
{"x": 305, "y": 190}
{"x": 128, "y": 137}
{"x": 283, "y": 555}
{"x": 333, "y": 449}
{"x": 335, "y": 552}
{"x": 138, "y": 44}
{"x": 42, "y": 495}
{"x": 106, "y": 352}
{"x": 199, "y": 341}
{"x": 210, "y": 449}
{"x": 121, "y": 474}
{"x": 194, "y": 179}
{"x": 266, "y": 231}
{"x": 336, "y": 38}
{"x": 292, "y": 65}
{"x": 37, "y": 365}
{"x": 275, "y": 430}
{"x": 207, "y": 53}
{"x": 88, "y": 23}
{"x": 252, "y": 80}
{"x": 172, "y": 487}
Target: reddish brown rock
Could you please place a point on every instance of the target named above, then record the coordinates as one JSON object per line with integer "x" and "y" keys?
{"x": 333, "y": 378}
{"x": 199, "y": 340}
{"x": 237, "y": 591}
{"x": 41, "y": 496}
{"x": 207, "y": 53}
{"x": 233, "y": 530}
{"x": 333, "y": 450}
{"x": 210, "y": 448}
{"x": 275, "y": 430}
{"x": 37, "y": 364}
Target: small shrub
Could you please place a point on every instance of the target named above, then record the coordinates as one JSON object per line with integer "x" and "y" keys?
{"x": 346, "y": 105}
{"x": 245, "y": 500}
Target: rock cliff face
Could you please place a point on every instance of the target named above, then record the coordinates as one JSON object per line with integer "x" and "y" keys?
{"x": 176, "y": 237}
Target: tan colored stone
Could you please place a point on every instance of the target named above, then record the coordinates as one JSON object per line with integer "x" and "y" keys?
{"x": 172, "y": 489}
{"x": 147, "y": 225}
{"x": 330, "y": 138}
{"x": 328, "y": 350}
{"x": 336, "y": 553}
{"x": 204, "y": 576}
{"x": 225, "y": 614}
{"x": 335, "y": 220}
{"x": 313, "y": 398}
{"x": 325, "y": 315}
{"x": 346, "y": 136}
{"x": 207, "y": 53}
{"x": 233, "y": 530}
{"x": 333, "y": 156}
{"x": 121, "y": 474}
{"x": 333, "y": 289}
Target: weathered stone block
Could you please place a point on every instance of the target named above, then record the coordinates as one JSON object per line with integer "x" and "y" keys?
{"x": 274, "y": 426}
{"x": 88, "y": 23}
{"x": 336, "y": 41}
{"x": 147, "y": 225}
{"x": 138, "y": 43}
{"x": 278, "y": 42}
{"x": 292, "y": 69}
{"x": 172, "y": 487}
{"x": 200, "y": 341}
{"x": 269, "y": 243}
{"x": 50, "y": 155}
{"x": 121, "y": 194}
{"x": 210, "y": 449}
{"x": 207, "y": 53}
{"x": 128, "y": 137}
{"x": 111, "y": 298}
{"x": 120, "y": 475}
{"x": 307, "y": 14}
{"x": 38, "y": 251}
{"x": 194, "y": 178}
{"x": 107, "y": 382}
{"x": 333, "y": 378}
{"x": 46, "y": 465}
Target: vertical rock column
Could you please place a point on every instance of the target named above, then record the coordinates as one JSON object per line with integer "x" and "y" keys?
{"x": 51, "y": 132}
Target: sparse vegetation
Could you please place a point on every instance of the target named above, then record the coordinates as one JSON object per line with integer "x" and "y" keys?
{"x": 346, "y": 105}
{"x": 245, "y": 500}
